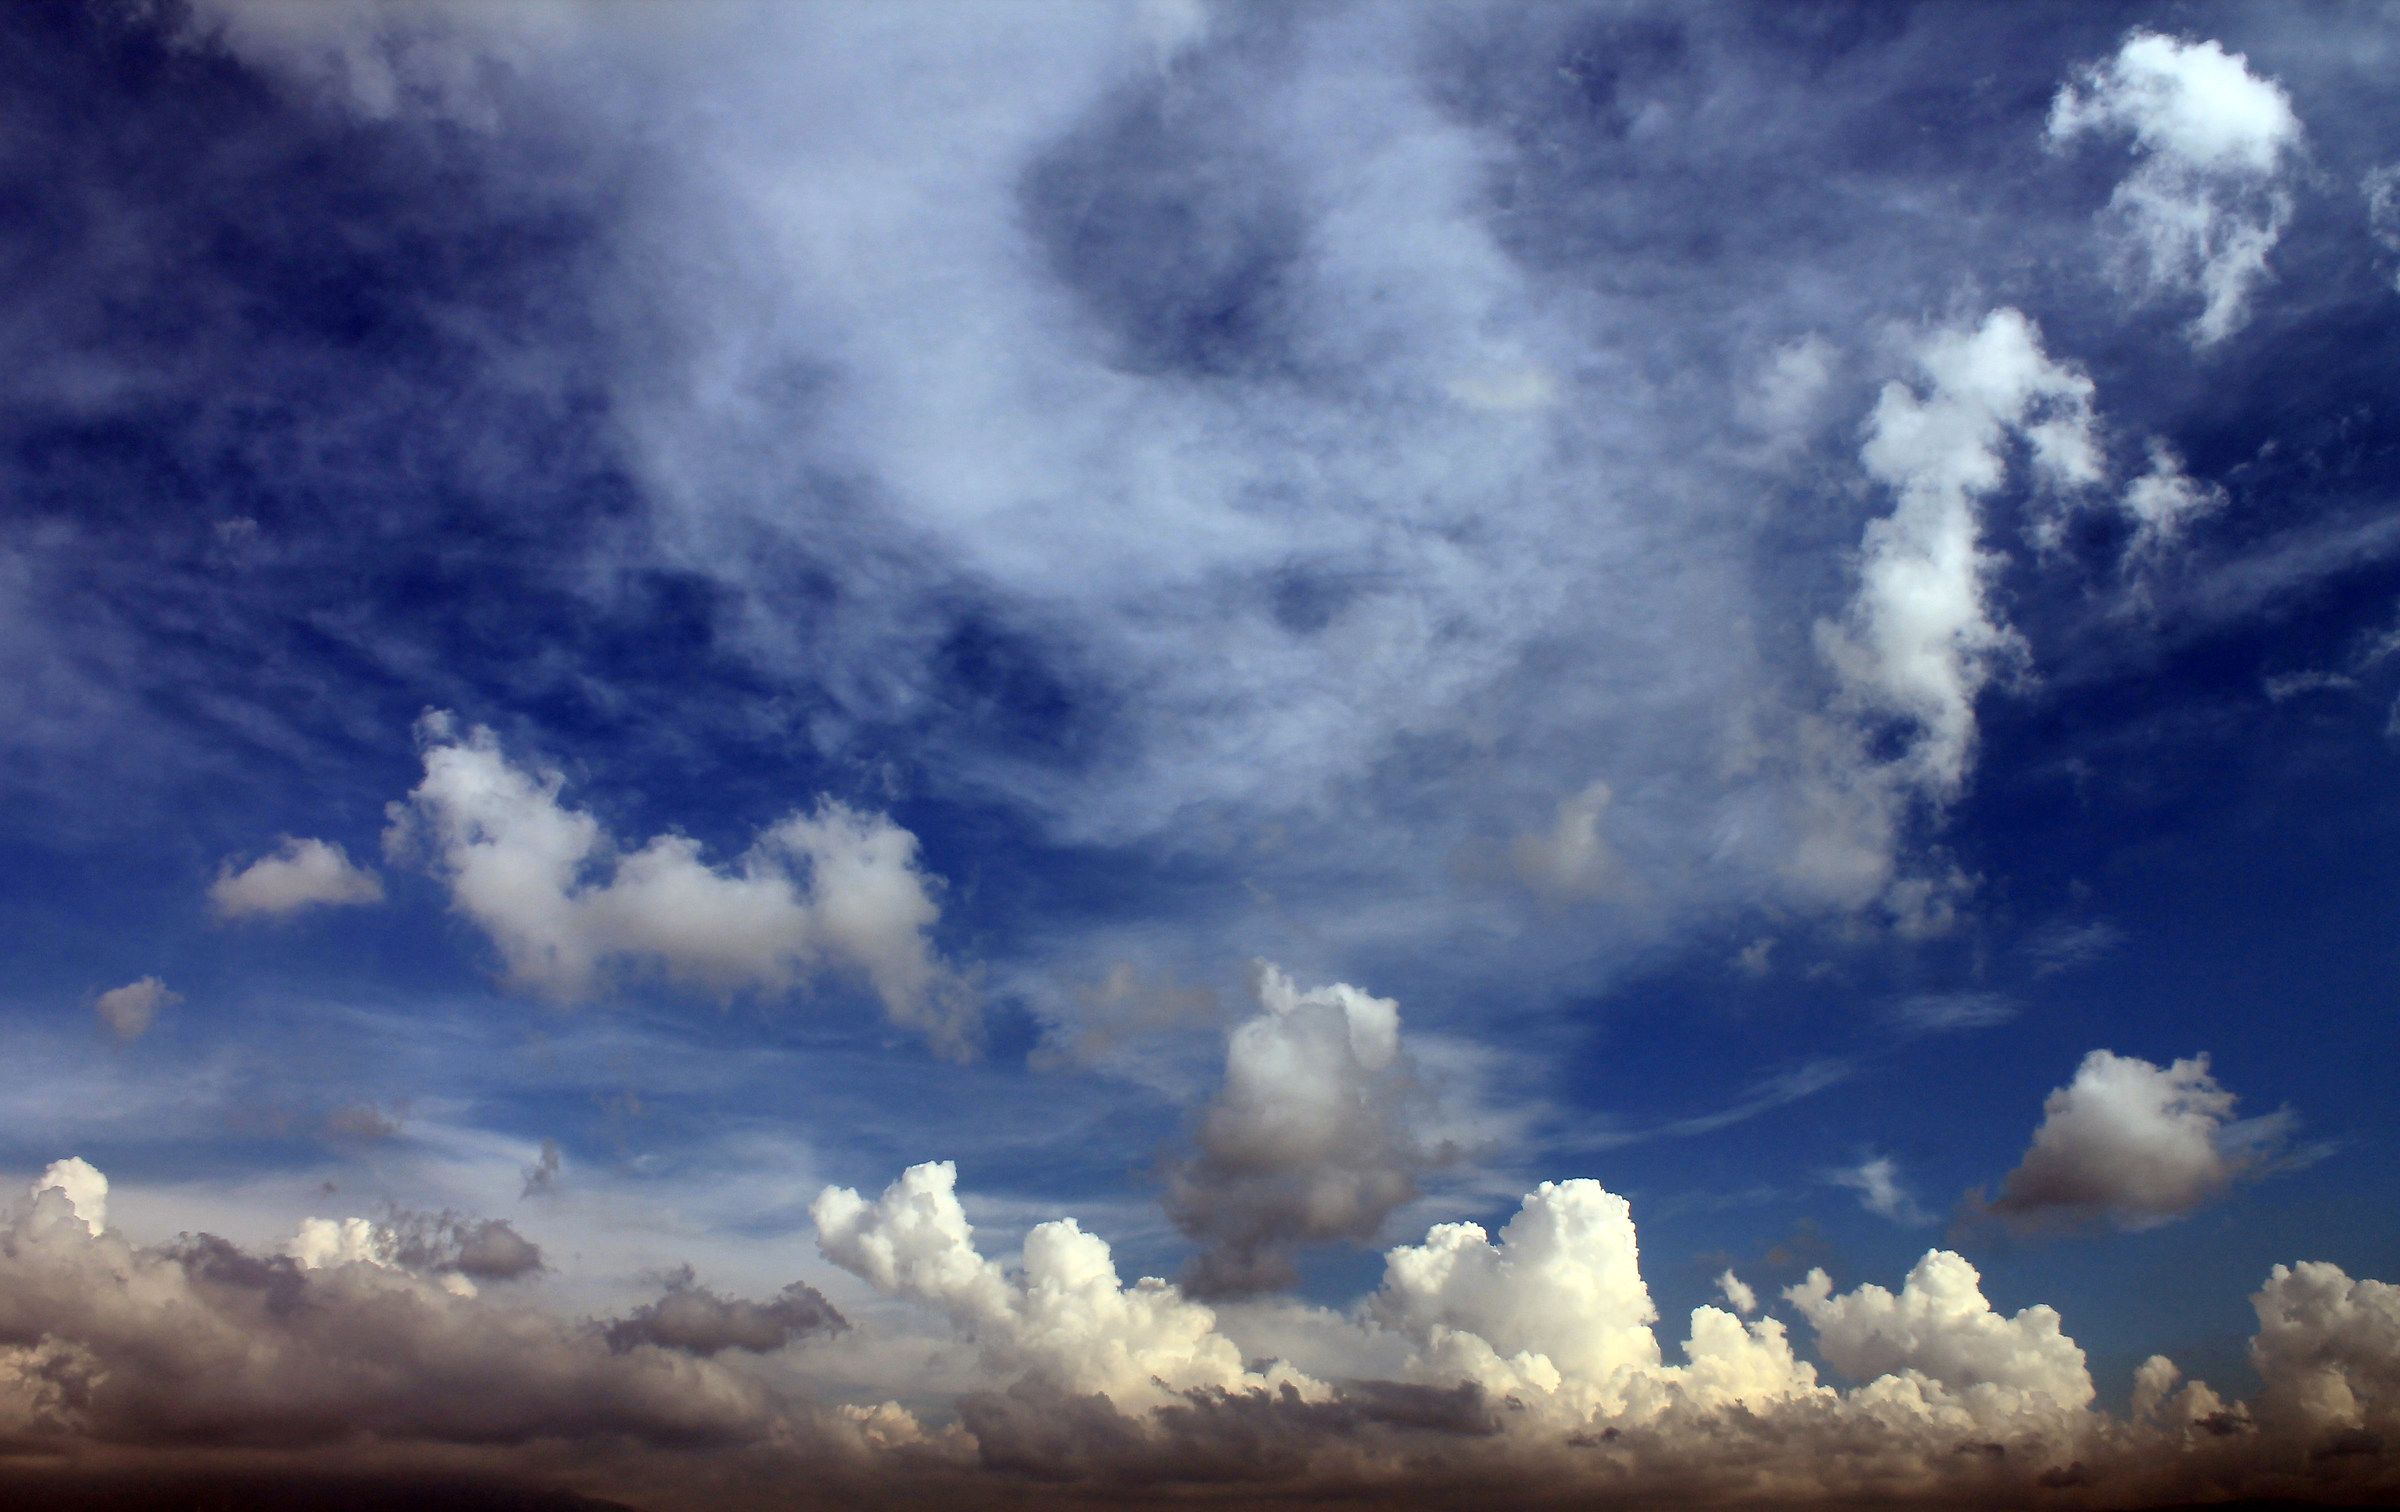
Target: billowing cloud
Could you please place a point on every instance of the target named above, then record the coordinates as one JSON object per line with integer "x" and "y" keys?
{"x": 1065, "y": 1318}
{"x": 2207, "y": 201}
{"x": 82, "y": 1185}
{"x": 1940, "y": 1329}
{"x": 1307, "y": 1141}
{"x": 2133, "y": 1144}
{"x": 2328, "y": 1349}
{"x": 130, "y": 1010}
{"x": 692, "y": 1318}
{"x": 837, "y": 888}
{"x": 300, "y": 874}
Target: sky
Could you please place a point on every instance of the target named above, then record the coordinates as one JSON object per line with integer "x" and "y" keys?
{"x": 782, "y": 755}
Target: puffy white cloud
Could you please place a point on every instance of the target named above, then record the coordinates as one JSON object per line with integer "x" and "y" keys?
{"x": 2133, "y": 1143}
{"x": 2206, "y": 203}
{"x": 2328, "y": 1348}
{"x": 1064, "y": 1319}
{"x": 131, "y": 1009}
{"x": 1941, "y": 1329}
{"x": 1558, "y": 1300}
{"x": 82, "y": 1185}
{"x": 1307, "y": 1141}
{"x": 837, "y": 888}
{"x": 301, "y": 874}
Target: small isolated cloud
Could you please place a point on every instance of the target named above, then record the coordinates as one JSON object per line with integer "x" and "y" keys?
{"x": 2135, "y": 1145}
{"x": 1122, "y": 1007}
{"x": 301, "y": 874}
{"x": 1570, "y": 859}
{"x": 2381, "y": 189}
{"x": 2163, "y": 502}
{"x": 1307, "y": 1141}
{"x": 1951, "y": 1012}
{"x": 2063, "y": 945}
{"x": 2207, "y": 199}
{"x": 1877, "y": 1182}
{"x": 1737, "y": 1293}
{"x": 542, "y": 1175}
{"x": 129, "y": 1010}
{"x": 837, "y": 888}
{"x": 1756, "y": 959}
{"x": 697, "y": 1321}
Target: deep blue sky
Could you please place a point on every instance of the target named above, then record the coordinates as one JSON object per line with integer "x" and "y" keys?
{"x": 1220, "y": 486}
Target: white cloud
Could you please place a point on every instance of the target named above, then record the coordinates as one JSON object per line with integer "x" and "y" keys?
{"x": 2135, "y": 1144}
{"x": 1877, "y": 1182}
{"x": 2328, "y": 1348}
{"x": 2163, "y": 502}
{"x": 1951, "y": 1012}
{"x": 1307, "y": 1141}
{"x": 1558, "y": 1300}
{"x": 301, "y": 874}
{"x": 82, "y": 1185}
{"x": 1921, "y": 638}
{"x": 2207, "y": 201}
{"x": 837, "y": 888}
{"x": 1737, "y": 1292}
{"x": 1065, "y": 1318}
{"x": 131, "y": 1009}
{"x": 1942, "y": 1329}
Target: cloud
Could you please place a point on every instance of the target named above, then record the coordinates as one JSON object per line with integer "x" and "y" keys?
{"x": 203, "y": 1343}
{"x": 2063, "y": 945}
{"x": 2207, "y": 201}
{"x": 82, "y": 1185}
{"x": 1879, "y": 1191}
{"x": 1921, "y": 638}
{"x": 301, "y": 874}
{"x": 1738, "y": 1293}
{"x": 2380, "y": 187}
{"x": 129, "y": 1010}
{"x": 697, "y": 1321}
{"x": 1940, "y": 1329}
{"x": 2163, "y": 502}
{"x": 833, "y": 888}
{"x": 1951, "y": 1012}
{"x": 1064, "y": 1319}
{"x": 1306, "y": 1142}
{"x": 1571, "y": 859}
{"x": 2328, "y": 1349}
{"x": 2134, "y": 1144}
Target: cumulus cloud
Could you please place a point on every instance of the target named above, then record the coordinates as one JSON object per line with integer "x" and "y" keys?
{"x": 837, "y": 888}
{"x": 1306, "y": 1142}
{"x": 131, "y": 1009}
{"x": 82, "y": 1185}
{"x": 694, "y": 1319}
{"x": 1065, "y": 1318}
{"x": 300, "y": 874}
{"x": 1940, "y": 1329}
{"x": 2134, "y": 1144}
{"x": 2328, "y": 1349}
{"x": 2207, "y": 199}
{"x": 456, "y": 1252}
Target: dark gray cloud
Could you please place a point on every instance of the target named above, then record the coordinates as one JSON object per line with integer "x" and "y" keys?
{"x": 696, "y": 1320}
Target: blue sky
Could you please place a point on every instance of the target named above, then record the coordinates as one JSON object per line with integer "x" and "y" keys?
{"x": 1264, "y": 627}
